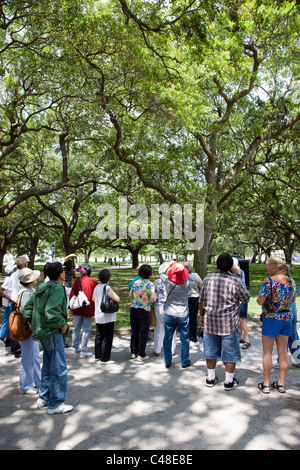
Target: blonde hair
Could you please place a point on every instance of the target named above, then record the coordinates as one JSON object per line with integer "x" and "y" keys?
{"x": 283, "y": 267}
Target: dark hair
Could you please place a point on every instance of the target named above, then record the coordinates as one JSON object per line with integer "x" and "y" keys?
{"x": 68, "y": 265}
{"x": 25, "y": 284}
{"x": 145, "y": 271}
{"x": 45, "y": 269}
{"x": 224, "y": 262}
{"x": 54, "y": 270}
{"x": 104, "y": 276}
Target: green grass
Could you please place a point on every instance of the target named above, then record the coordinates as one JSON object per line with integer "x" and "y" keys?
{"x": 121, "y": 278}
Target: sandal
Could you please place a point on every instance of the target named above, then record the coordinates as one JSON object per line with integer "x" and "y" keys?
{"x": 264, "y": 388}
{"x": 279, "y": 388}
{"x": 246, "y": 345}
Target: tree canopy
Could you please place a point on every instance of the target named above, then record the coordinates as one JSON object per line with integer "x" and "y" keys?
{"x": 178, "y": 102}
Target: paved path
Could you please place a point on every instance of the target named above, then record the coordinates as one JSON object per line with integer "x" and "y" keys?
{"x": 131, "y": 406}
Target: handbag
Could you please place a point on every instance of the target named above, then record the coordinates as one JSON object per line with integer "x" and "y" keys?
{"x": 152, "y": 316}
{"x": 18, "y": 327}
{"x": 268, "y": 303}
{"x": 79, "y": 300}
{"x": 108, "y": 305}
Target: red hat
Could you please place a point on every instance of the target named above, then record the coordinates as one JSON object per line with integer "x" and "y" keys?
{"x": 178, "y": 273}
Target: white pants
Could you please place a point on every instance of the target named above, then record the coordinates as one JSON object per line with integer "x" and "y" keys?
{"x": 159, "y": 330}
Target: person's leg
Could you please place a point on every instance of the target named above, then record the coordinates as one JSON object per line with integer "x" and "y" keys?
{"x": 159, "y": 330}
{"x": 78, "y": 320}
{"x": 243, "y": 323}
{"x": 184, "y": 334}
{"x": 55, "y": 372}
{"x": 170, "y": 328}
{"x": 27, "y": 365}
{"x": 212, "y": 352}
{"x": 193, "y": 312}
{"x": 86, "y": 328}
{"x": 281, "y": 343}
{"x": 98, "y": 341}
{"x": 36, "y": 364}
{"x": 268, "y": 343}
{"x": 44, "y": 392}
{"x": 135, "y": 331}
{"x": 108, "y": 334}
{"x": 144, "y": 318}
{"x": 230, "y": 355}
{"x": 4, "y": 332}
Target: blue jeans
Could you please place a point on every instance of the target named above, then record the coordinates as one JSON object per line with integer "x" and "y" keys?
{"x": 293, "y": 342}
{"x": 86, "y": 324}
{"x": 54, "y": 371}
{"x": 4, "y": 332}
{"x": 226, "y": 348}
{"x": 182, "y": 325}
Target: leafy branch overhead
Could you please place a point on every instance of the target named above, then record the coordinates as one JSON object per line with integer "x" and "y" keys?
{"x": 182, "y": 102}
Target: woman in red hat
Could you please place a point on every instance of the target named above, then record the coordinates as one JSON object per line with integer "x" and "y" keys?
{"x": 178, "y": 285}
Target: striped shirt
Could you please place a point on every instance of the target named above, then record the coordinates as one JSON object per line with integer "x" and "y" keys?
{"x": 220, "y": 295}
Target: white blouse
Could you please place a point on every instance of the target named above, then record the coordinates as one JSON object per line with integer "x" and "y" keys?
{"x": 100, "y": 316}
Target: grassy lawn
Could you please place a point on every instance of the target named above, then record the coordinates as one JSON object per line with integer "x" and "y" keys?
{"x": 121, "y": 278}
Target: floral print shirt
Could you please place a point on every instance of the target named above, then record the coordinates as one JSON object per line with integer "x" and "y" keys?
{"x": 283, "y": 298}
{"x": 141, "y": 291}
{"x": 160, "y": 291}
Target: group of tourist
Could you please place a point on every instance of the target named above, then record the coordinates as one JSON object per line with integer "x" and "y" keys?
{"x": 176, "y": 298}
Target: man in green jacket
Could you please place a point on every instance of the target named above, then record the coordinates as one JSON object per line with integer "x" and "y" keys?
{"x": 46, "y": 311}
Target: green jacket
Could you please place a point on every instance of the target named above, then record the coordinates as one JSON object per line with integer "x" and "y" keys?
{"x": 46, "y": 310}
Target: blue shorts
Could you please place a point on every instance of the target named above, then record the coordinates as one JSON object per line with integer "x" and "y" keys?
{"x": 226, "y": 348}
{"x": 272, "y": 327}
{"x": 243, "y": 310}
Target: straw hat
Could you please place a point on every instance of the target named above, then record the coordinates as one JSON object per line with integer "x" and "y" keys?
{"x": 27, "y": 276}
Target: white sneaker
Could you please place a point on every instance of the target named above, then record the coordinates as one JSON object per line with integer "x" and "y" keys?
{"x": 194, "y": 344}
{"x": 82, "y": 355}
{"x": 31, "y": 391}
{"x": 107, "y": 362}
{"x": 142, "y": 359}
{"x": 41, "y": 403}
{"x": 62, "y": 408}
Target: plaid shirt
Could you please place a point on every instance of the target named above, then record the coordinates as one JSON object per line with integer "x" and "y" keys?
{"x": 221, "y": 294}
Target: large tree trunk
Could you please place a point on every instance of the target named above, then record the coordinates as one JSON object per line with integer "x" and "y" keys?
{"x": 201, "y": 255}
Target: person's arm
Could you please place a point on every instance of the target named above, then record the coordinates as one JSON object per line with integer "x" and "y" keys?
{"x": 53, "y": 310}
{"x": 2, "y": 294}
{"x": 201, "y": 318}
{"x": 28, "y": 310}
{"x": 112, "y": 295}
{"x": 153, "y": 295}
{"x": 262, "y": 298}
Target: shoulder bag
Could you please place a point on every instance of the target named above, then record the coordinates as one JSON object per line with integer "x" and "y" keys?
{"x": 18, "y": 327}
{"x": 79, "y": 300}
{"x": 108, "y": 305}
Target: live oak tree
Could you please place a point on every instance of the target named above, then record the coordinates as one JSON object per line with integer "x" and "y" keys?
{"x": 185, "y": 93}
{"x": 231, "y": 56}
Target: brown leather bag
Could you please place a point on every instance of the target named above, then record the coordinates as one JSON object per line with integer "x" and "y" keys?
{"x": 18, "y": 327}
